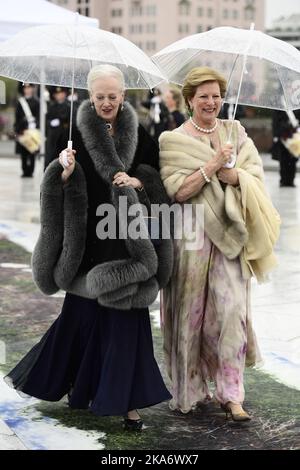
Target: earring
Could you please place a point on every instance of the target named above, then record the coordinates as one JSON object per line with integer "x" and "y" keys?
{"x": 92, "y": 105}
{"x": 122, "y": 107}
{"x": 190, "y": 112}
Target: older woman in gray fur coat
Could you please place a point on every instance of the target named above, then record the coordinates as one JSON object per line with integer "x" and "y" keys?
{"x": 99, "y": 351}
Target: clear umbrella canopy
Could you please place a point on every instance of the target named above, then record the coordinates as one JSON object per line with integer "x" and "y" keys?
{"x": 269, "y": 68}
{"x": 48, "y": 54}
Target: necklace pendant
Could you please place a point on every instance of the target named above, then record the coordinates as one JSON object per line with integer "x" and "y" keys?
{"x": 108, "y": 126}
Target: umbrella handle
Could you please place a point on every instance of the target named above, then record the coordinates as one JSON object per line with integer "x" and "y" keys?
{"x": 65, "y": 155}
{"x": 232, "y": 162}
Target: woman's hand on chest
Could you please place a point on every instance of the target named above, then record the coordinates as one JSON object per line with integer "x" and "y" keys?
{"x": 229, "y": 176}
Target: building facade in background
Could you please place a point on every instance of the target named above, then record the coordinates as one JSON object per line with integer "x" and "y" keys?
{"x": 287, "y": 29}
{"x": 153, "y": 24}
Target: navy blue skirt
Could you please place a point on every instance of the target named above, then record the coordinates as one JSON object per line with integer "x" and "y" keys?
{"x": 102, "y": 357}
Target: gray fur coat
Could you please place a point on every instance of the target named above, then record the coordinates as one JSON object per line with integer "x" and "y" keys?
{"x": 132, "y": 282}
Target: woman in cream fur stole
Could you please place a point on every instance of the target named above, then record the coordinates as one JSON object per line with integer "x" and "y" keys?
{"x": 206, "y": 317}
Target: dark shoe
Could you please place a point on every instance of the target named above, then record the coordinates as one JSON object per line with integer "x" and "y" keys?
{"x": 241, "y": 416}
{"x": 132, "y": 424}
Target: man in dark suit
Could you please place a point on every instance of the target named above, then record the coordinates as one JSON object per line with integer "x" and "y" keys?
{"x": 26, "y": 117}
{"x": 57, "y": 122}
{"x": 283, "y": 129}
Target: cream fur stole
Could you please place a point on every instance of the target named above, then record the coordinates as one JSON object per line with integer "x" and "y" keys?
{"x": 240, "y": 221}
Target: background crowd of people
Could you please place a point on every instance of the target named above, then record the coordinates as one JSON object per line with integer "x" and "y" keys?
{"x": 165, "y": 113}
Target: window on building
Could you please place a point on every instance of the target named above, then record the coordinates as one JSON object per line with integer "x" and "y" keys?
{"x": 210, "y": 12}
{"x": 151, "y": 28}
{"x": 199, "y": 28}
{"x": 183, "y": 28}
{"x": 117, "y": 29}
{"x": 136, "y": 8}
{"x": 116, "y": 12}
{"x": 225, "y": 13}
{"x": 151, "y": 10}
{"x": 184, "y": 7}
{"x": 83, "y": 7}
{"x": 235, "y": 14}
{"x": 249, "y": 13}
{"x": 151, "y": 46}
{"x": 200, "y": 11}
{"x": 139, "y": 11}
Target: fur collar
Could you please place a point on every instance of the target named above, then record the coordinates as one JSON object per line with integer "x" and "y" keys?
{"x": 109, "y": 155}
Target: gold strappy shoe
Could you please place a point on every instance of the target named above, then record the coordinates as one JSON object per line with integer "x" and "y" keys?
{"x": 240, "y": 416}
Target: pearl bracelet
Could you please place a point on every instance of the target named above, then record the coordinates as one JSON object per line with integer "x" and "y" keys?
{"x": 207, "y": 180}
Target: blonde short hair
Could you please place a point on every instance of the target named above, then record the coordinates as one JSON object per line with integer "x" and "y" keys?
{"x": 197, "y": 76}
{"x": 105, "y": 70}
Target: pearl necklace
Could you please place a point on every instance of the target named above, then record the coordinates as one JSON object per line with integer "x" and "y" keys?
{"x": 202, "y": 129}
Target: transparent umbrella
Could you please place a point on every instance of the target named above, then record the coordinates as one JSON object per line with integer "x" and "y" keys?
{"x": 45, "y": 54}
{"x": 64, "y": 54}
{"x": 260, "y": 70}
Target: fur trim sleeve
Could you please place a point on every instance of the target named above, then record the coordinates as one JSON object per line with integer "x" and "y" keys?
{"x": 74, "y": 228}
{"x": 57, "y": 218}
{"x": 49, "y": 243}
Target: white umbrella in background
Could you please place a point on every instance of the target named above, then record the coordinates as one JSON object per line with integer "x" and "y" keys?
{"x": 64, "y": 54}
{"x": 260, "y": 70}
{"x": 20, "y": 14}
{"x": 17, "y": 15}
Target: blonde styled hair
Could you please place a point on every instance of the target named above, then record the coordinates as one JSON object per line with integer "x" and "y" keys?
{"x": 104, "y": 71}
{"x": 197, "y": 76}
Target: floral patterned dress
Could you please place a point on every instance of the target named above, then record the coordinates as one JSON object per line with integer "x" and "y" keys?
{"x": 206, "y": 320}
